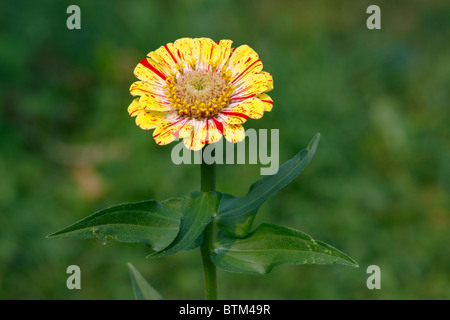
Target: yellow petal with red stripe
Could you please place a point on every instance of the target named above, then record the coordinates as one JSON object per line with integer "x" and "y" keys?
{"x": 250, "y": 87}
{"x": 244, "y": 62}
{"x": 165, "y": 57}
{"x": 214, "y": 55}
{"x": 152, "y": 98}
{"x": 212, "y": 131}
{"x": 236, "y": 113}
{"x": 269, "y": 80}
{"x": 255, "y": 106}
{"x": 188, "y": 50}
{"x": 140, "y": 88}
{"x": 221, "y": 54}
{"x": 195, "y": 140}
{"x": 206, "y": 53}
{"x": 168, "y": 129}
{"x": 185, "y": 129}
{"x": 151, "y": 119}
{"x": 134, "y": 108}
{"x": 153, "y": 102}
{"x": 148, "y": 70}
{"x": 266, "y": 100}
{"x": 204, "y": 132}
{"x": 234, "y": 132}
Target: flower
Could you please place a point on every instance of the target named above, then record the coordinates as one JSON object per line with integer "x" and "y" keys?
{"x": 199, "y": 90}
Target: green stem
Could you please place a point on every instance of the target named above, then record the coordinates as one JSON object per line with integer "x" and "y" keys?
{"x": 208, "y": 183}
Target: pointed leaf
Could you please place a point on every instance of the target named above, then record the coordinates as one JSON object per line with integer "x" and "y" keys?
{"x": 236, "y": 215}
{"x": 198, "y": 210}
{"x": 141, "y": 288}
{"x": 150, "y": 222}
{"x": 271, "y": 245}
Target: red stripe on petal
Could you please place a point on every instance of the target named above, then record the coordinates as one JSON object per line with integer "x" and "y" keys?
{"x": 243, "y": 72}
{"x": 167, "y": 127}
{"x": 173, "y": 58}
{"x": 177, "y": 133}
{"x": 207, "y": 132}
{"x": 146, "y": 64}
{"x": 236, "y": 114}
{"x": 219, "y": 124}
{"x": 239, "y": 99}
{"x": 211, "y": 52}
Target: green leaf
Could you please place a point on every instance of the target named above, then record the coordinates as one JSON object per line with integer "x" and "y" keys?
{"x": 150, "y": 222}
{"x": 198, "y": 210}
{"x": 236, "y": 215}
{"x": 271, "y": 245}
{"x": 141, "y": 288}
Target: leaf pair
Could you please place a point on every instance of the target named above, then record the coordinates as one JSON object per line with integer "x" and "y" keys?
{"x": 166, "y": 227}
{"x": 266, "y": 247}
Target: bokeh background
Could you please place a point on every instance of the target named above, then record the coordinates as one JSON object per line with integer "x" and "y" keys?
{"x": 378, "y": 187}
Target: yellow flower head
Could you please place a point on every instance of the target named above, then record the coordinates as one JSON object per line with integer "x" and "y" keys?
{"x": 199, "y": 90}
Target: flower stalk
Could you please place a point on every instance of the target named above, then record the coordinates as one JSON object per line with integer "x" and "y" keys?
{"x": 208, "y": 183}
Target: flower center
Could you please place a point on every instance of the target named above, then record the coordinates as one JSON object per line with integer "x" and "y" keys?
{"x": 199, "y": 94}
{"x": 202, "y": 86}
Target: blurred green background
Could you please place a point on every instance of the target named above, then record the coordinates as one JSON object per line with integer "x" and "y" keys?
{"x": 378, "y": 187}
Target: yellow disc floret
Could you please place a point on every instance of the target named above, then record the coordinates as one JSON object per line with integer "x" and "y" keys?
{"x": 199, "y": 94}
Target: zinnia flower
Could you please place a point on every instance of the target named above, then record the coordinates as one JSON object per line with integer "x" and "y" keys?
{"x": 199, "y": 90}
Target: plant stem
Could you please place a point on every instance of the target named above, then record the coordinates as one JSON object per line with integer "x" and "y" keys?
{"x": 208, "y": 183}
{"x": 208, "y": 177}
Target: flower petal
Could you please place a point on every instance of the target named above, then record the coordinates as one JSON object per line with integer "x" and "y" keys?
{"x": 148, "y": 70}
{"x": 166, "y": 131}
{"x": 244, "y": 62}
{"x": 236, "y": 113}
{"x": 139, "y": 88}
{"x": 134, "y": 108}
{"x": 188, "y": 50}
{"x": 256, "y": 107}
{"x": 206, "y": 51}
{"x": 221, "y": 53}
{"x": 266, "y": 100}
{"x": 154, "y": 102}
{"x": 194, "y": 141}
{"x": 204, "y": 132}
{"x": 269, "y": 79}
{"x": 250, "y": 87}
{"x": 152, "y": 98}
{"x": 151, "y": 119}
{"x": 165, "y": 57}
{"x": 213, "y": 132}
{"x": 234, "y": 132}
{"x": 185, "y": 130}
